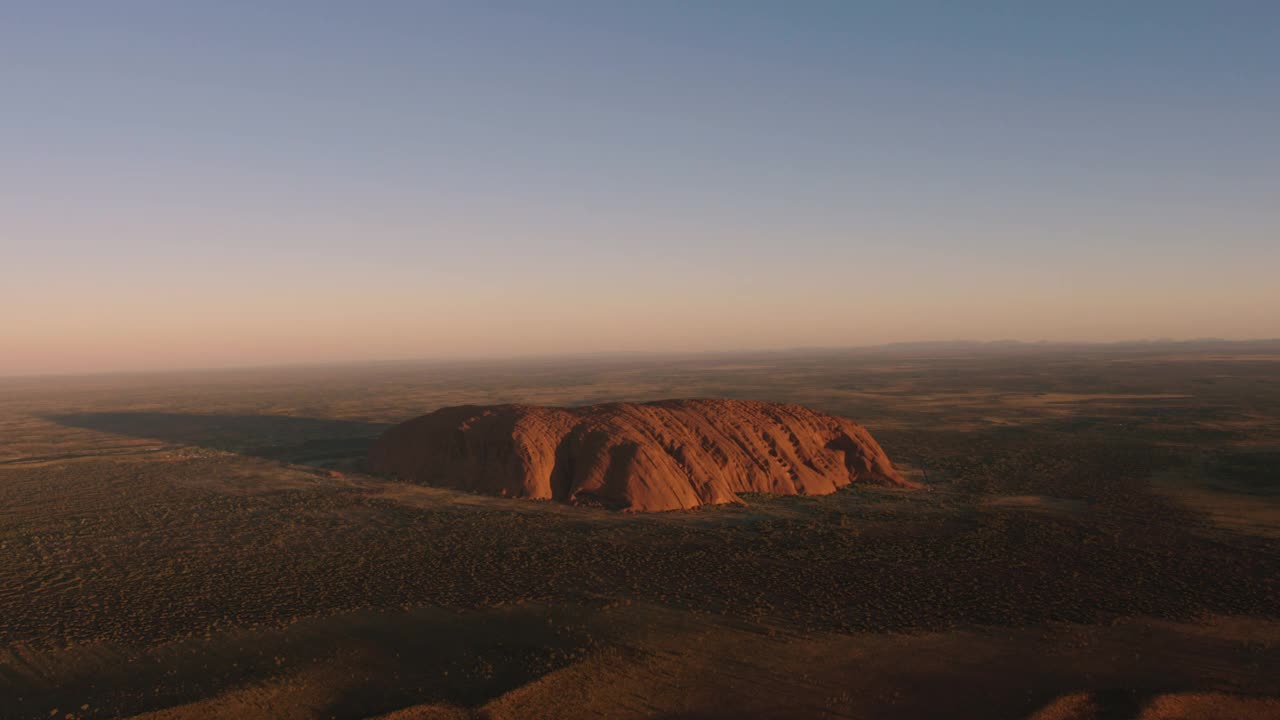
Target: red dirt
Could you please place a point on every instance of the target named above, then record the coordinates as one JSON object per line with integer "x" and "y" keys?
{"x": 666, "y": 455}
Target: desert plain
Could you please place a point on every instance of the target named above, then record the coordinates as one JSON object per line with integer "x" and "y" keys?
{"x": 1097, "y": 535}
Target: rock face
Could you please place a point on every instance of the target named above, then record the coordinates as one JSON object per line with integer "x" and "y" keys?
{"x": 665, "y": 455}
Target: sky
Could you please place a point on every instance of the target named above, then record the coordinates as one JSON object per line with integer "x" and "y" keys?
{"x": 227, "y": 183}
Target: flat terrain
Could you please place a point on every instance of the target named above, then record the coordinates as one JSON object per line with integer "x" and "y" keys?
{"x": 1099, "y": 538}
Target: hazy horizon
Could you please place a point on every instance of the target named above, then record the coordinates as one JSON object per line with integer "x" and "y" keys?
{"x": 931, "y": 348}
{"x": 281, "y": 182}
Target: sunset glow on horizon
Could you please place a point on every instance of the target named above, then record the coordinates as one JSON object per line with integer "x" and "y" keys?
{"x": 263, "y": 183}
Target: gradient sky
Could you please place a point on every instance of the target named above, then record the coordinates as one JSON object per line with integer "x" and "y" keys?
{"x": 227, "y": 183}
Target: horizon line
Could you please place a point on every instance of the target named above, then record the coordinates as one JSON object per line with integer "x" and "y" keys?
{"x": 638, "y": 354}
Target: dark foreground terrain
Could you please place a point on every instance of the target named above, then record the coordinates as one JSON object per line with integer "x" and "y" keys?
{"x": 1099, "y": 538}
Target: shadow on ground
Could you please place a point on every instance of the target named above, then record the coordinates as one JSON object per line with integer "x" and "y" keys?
{"x": 344, "y": 667}
{"x": 308, "y": 441}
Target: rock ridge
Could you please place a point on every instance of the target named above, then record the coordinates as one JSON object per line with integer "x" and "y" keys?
{"x": 654, "y": 456}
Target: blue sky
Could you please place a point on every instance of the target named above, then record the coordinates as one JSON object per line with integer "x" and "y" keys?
{"x": 500, "y": 178}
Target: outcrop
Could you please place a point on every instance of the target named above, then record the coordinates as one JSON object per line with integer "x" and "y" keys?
{"x": 665, "y": 455}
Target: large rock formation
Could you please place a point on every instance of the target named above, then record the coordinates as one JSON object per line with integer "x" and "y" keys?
{"x": 665, "y": 455}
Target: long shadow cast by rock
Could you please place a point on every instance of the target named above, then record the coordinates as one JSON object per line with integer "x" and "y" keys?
{"x": 308, "y": 441}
